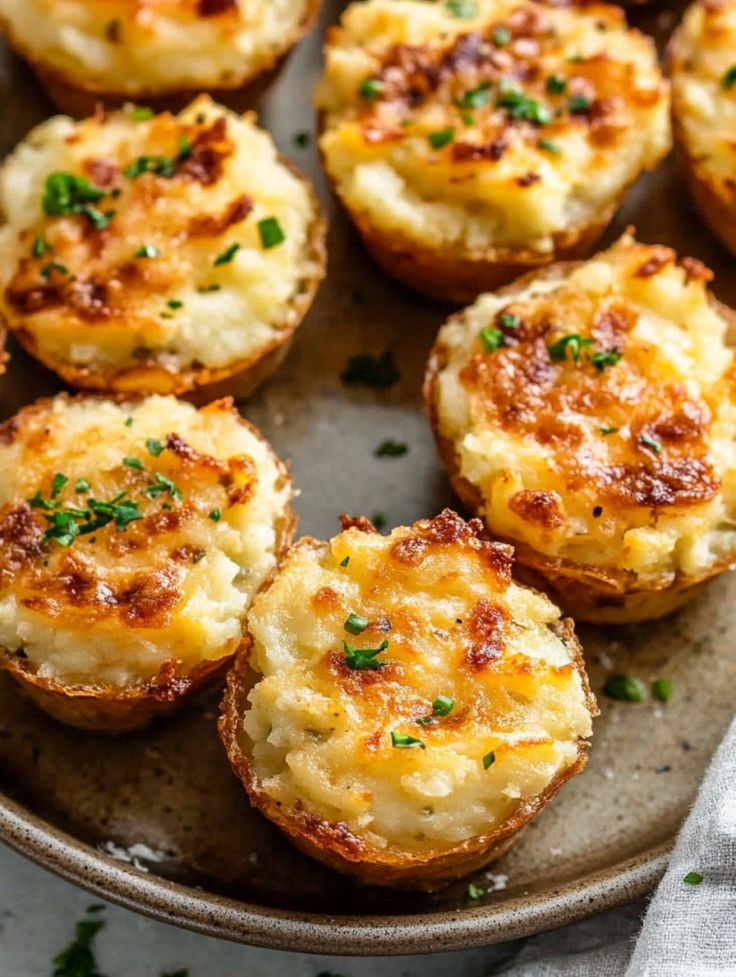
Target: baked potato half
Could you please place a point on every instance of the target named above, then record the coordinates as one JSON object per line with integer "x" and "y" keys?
{"x": 157, "y": 254}
{"x": 404, "y": 708}
{"x": 702, "y": 55}
{"x": 133, "y": 537}
{"x": 470, "y": 143}
{"x": 588, "y": 414}
{"x": 161, "y": 52}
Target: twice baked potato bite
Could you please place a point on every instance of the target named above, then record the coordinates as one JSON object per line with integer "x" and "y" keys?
{"x": 472, "y": 141}
{"x": 157, "y": 254}
{"x": 405, "y": 707}
{"x": 85, "y": 51}
{"x": 133, "y": 537}
{"x": 703, "y": 67}
{"x": 588, "y": 414}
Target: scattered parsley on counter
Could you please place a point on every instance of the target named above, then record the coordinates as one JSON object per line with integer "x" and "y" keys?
{"x": 391, "y": 449}
{"x": 693, "y": 878}
{"x": 78, "y": 959}
{"x": 662, "y": 689}
{"x": 365, "y": 370}
{"x": 475, "y": 891}
{"x": 364, "y": 658}
{"x": 625, "y": 688}
{"x": 406, "y": 742}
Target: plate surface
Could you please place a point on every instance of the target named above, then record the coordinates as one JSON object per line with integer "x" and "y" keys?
{"x": 157, "y": 822}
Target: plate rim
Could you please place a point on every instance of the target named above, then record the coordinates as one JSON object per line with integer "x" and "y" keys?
{"x": 227, "y": 918}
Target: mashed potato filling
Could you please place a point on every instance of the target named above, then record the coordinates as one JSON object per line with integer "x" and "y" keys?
{"x": 704, "y": 92}
{"x": 471, "y": 709}
{"x": 132, "y": 536}
{"x": 595, "y": 412}
{"x": 502, "y": 129}
{"x": 154, "y": 46}
{"x": 189, "y": 254}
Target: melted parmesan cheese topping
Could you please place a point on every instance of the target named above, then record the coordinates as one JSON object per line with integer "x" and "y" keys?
{"x": 598, "y": 417}
{"x": 150, "y": 47}
{"x": 504, "y": 129}
{"x": 115, "y": 605}
{"x": 455, "y": 627}
{"x": 704, "y": 98}
{"x": 179, "y": 277}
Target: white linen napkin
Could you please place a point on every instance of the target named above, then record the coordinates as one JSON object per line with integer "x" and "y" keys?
{"x": 689, "y": 929}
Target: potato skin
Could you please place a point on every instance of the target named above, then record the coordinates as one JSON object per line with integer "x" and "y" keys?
{"x": 333, "y": 844}
{"x": 80, "y": 100}
{"x": 594, "y": 594}
{"x": 107, "y": 709}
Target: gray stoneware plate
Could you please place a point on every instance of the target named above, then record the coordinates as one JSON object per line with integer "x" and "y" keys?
{"x": 157, "y": 822}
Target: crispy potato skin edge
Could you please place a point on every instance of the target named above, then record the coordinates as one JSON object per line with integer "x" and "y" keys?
{"x": 241, "y": 378}
{"x": 594, "y": 594}
{"x": 716, "y": 206}
{"x": 112, "y": 710}
{"x": 80, "y": 100}
{"x": 428, "y": 871}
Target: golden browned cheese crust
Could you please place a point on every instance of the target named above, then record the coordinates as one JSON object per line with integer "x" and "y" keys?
{"x": 133, "y": 536}
{"x": 589, "y": 415}
{"x": 409, "y": 707}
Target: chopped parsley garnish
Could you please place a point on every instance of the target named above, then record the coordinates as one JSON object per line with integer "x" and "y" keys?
{"x": 608, "y": 429}
{"x": 579, "y": 104}
{"x": 215, "y": 515}
{"x": 406, "y": 742}
{"x": 488, "y": 760}
{"x": 344, "y": 563}
{"x": 501, "y": 36}
{"x": 475, "y": 98}
{"x": 573, "y": 341}
{"x": 605, "y": 357}
{"x": 556, "y": 85}
{"x": 651, "y": 443}
{"x": 41, "y": 246}
{"x": 442, "y": 706}
{"x": 391, "y": 449}
{"x": 82, "y": 485}
{"x": 175, "y": 304}
{"x": 625, "y": 688}
{"x": 464, "y": 9}
{"x": 693, "y": 878}
{"x": 379, "y": 520}
{"x": 63, "y": 528}
{"x": 129, "y": 422}
{"x": 161, "y": 484}
{"x": 492, "y": 338}
{"x": 57, "y": 484}
{"x": 468, "y": 118}
{"x": 227, "y": 255}
{"x": 160, "y": 165}
{"x": 365, "y": 370}
{"x": 154, "y": 446}
{"x": 78, "y": 959}
{"x": 51, "y": 267}
{"x": 549, "y": 146}
{"x": 141, "y": 112}
{"x": 729, "y": 79}
{"x": 204, "y": 289}
{"x": 66, "y": 193}
{"x": 370, "y": 89}
{"x": 359, "y": 659}
{"x": 509, "y": 321}
{"x": 475, "y": 891}
{"x": 520, "y": 106}
{"x": 146, "y": 251}
{"x": 441, "y": 138}
{"x": 271, "y": 233}
{"x": 662, "y": 689}
{"x": 133, "y": 463}
{"x": 355, "y": 624}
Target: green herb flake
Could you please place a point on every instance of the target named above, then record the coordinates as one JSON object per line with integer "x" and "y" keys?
{"x": 729, "y": 79}
{"x": 463, "y": 9}
{"x": 693, "y": 878}
{"x": 549, "y": 146}
{"x": 344, "y": 563}
{"x": 605, "y": 357}
{"x": 360, "y": 659}
{"x": 78, "y": 959}
{"x": 625, "y": 688}
{"x": 66, "y": 193}
{"x": 488, "y": 760}
{"x": 370, "y": 89}
{"x": 175, "y": 304}
{"x": 82, "y": 485}
{"x": 475, "y": 98}
{"x": 146, "y": 251}
{"x": 53, "y": 266}
{"x": 40, "y": 246}
{"x": 662, "y": 689}
{"x": 521, "y": 106}
{"x": 204, "y": 289}
{"x": 154, "y": 447}
{"x": 402, "y": 742}
{"x": 475, "y": 892}
{"x": 509, "y": 321}
{"x": 579, "y": 104}
{"x": 215, "y": 515}
{"x": 133, "y": 463}
{"x": 441, "y": 138}
{"x": 442, "y": 706}
{"x": 161, "y": 484}
{"x": 129, "y": 422}
{"x": 649, "y": 442}
{"x": 574, "y": 342}
{"x": 270, "y": 232}
{"x": 391, "y": 449}
{"x": 355, "y": 624}
{"x": 140, "y": 113}
{"x": 365, "y": 370}
{"x": 227, "y": 255}
{"x": 57, "y": 484}
{"x": 501, "y": 36}
{"x": 556, "y": 85}
{"x": 492, "y": 338}
{"x": 608, "y": 429}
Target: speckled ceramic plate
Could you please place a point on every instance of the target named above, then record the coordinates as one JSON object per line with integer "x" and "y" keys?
{"x": 158, "y": 823}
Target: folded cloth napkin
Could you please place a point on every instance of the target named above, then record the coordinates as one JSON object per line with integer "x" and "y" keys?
{"x": 689, "y": 929}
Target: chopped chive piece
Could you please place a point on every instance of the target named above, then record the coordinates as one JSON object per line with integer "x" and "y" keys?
{"x": 501, "y": 36}
{"x": 693, "y": 878}
{"x": 66, "y": 193}
{"x": 227, "y": 255}
{"x": 649, "y": 442}
{"x": 52, "y": 266}
{"x": 729, "y": 79}
{"x": 133, "y": 463}
{"x": 204, "y": 289}
{"x": 365, "y": 370}
{"x": 161, "y": 484}
{"x": 391, "y": 449}
{"x": 475, "y": 891}
{"x": 146, "y": 251}
{"x": 406, "y": 742}
{"x": 492, "y": 338}
{"x": 441, "y": 138}
{"x": 662, "y": 689}
{"x": 468, "y": 118}
{"x": 344, "y": 563}
{"x": 463, "y": 9}
{"x": 57, "y": 484}
{"x": 520, "y": 106}
{"x": 175, "y": 304}
{"x": 475, "y": 98}
{"x": 82, "y": 485}
{"x": 359, "y": 659}
{"x": 509, "y": 321}
{"x": 379, "y": 520}
{"x": 605, "y": 357}
{"x": 556, "y": 85}
{"x": 41, "y": 246}
{"x": 575, "y": 342}
{"x": 141, "y": 112}
{"x": 488, "y": 760}
{"x": 625, "y": 688}
{"x": 215, "y": 515}
{"x": 129, "y": 422}
{"x": 270, "y": 232}
{"x": 37, "y": 501}
{"x": 154, "y": 446}
{"x": 355, "y": 624}
{"x": 579, "y": 104}
{"x": 608, "y": 429}
{"x": 550, "y": 147}
{"x": 370, "y": 89}
{"x": 442, "y": 706}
